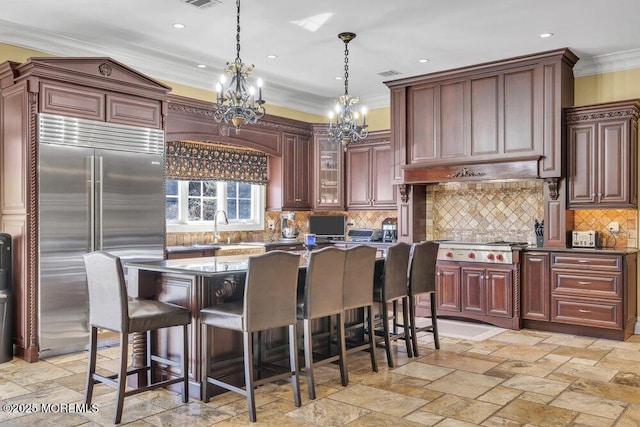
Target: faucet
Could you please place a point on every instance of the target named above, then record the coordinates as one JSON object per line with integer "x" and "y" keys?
{"x": 216, "y": 235}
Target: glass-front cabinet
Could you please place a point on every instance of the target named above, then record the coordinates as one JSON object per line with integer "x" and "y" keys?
{"x": 329, "y": 171}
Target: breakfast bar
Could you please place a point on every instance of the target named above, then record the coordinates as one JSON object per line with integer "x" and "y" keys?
{"x": 200, "y": 282}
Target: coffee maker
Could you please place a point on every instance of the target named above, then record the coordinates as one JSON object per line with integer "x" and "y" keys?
{"x": 390, "y": 230}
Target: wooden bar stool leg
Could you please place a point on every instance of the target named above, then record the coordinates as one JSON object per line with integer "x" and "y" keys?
{"x": 293, "y": 361}
{"x": 122, "y": 376}
{"x": 372, "y": 339}
{"x": 434, "y": 320}
{"x": 185, "y": 363}
{"x": 412, "y": 318}
{"x": 344, "y": 375}
{"x": 93, "y": 348}
{"x": 405, "y": 324}
{"x": 308, "y": 358}
{"x": 387, "y": 341}
{"x": 248, "y": 374}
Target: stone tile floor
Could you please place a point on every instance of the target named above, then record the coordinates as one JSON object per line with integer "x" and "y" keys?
{"x": 516, "y": 378}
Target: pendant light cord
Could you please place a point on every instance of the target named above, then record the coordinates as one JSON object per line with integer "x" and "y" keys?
{"x": 238, "y": 31}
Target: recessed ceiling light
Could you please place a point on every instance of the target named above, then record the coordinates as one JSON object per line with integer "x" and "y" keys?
{"x": 202, "y": 66}
{"x": 423, "y": 60}
{"x": 272, "y": 56}
{"x": 178, "y": 25}
{"x": 545, "y": 35}
{"x": 338, "y": 77}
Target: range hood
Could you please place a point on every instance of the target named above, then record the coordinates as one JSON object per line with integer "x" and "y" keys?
{"x": 510, "y": 168}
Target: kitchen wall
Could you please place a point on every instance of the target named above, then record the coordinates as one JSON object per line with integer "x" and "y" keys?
{"x": 484, "y": 211}
{"x": 359, "y": 219}
{"x": 491, "y": 211}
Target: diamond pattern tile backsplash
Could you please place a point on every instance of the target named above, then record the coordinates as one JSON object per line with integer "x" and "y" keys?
{"x": 483, "y": 212}
{"x": 599, "y": 220}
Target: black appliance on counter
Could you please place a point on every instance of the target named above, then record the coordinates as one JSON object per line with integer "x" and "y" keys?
{"x": 6, "y": 299}
{"x": 390, "y": 230}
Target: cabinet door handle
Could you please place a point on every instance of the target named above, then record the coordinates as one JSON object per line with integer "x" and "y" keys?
{"x": 584, "y": 283}
{"x": 585, "y": 311}
{"x": 583, "y": 261}
{"x": 438, "y": 274}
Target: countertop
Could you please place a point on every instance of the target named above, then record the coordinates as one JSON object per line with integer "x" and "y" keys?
{"x": 602, "y": 251}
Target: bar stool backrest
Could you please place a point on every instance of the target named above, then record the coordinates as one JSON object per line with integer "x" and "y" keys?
{"x": 396, "y": 267}
{"x": 358, "y": 276}
{"x": 108, "y": 307}
{"x": 270, "y": 290}
{"x": 323, "y": 287}
{"x": 423, "y": 267}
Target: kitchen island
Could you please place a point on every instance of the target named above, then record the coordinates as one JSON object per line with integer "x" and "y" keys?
{"x": 195, "y": 283}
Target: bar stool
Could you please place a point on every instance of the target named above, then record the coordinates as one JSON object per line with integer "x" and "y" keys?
{"x": 269, "y": 302}
{"x": 358, "y": 293}
{"x": 323, "y": 298}
{"x": 422, "y": 280}
{"x": 393, "y": 288}
{"x": 109, "y": 309}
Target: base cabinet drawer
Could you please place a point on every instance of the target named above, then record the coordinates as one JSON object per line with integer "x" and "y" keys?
{"x": 587, "y": 312}
{"x": 594, "y": 284}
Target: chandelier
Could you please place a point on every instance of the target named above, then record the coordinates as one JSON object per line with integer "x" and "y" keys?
{"x": 237, "y": 104}
{"x": 346, "y": 128}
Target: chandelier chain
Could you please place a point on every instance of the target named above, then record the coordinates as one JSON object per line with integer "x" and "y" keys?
{"x": 346, "y": 67}
{"x": 238, "y": 31}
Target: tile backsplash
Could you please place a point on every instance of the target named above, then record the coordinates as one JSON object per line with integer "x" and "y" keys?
{"x": 599, "y": 220}
{"x": 359, "y": 219}
{"x": 485, "y": 211}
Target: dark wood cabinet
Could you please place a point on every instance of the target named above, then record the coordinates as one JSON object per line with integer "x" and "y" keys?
{"x": 603, "y": 155}
{"x": 447, "y": 287}
{"x": 368, "y": 170}
{"x": 477, "y": 291}
{"x": 535, "y": 286}
{"x": 328, "y": 175}
{"x": 99, "y": 89}
{"x": 586, "y": 293}
{"x": 296, "y": 172}
{"x": 195, "y": 253}
{"x": 505, "y": 112}
{"x": 487, "y": 291}
{"x": 290, "y": 178}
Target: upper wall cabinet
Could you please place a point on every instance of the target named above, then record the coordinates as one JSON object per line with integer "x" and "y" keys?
{"x": 603, "y": 155}
{"x": 503, "y": 112}
{"x": 328, "y": 162}
{"x": 368, "y": 170}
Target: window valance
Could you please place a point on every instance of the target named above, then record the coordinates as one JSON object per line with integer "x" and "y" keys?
{"x": 201, "y": 161}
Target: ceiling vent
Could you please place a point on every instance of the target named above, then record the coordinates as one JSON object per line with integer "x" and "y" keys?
{"x": 202, "y": 4}
{"x": 389, "y": 73}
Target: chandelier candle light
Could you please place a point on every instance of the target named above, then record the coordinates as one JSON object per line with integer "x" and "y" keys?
{"x": 237, "y": 104}
{"x": 346, "y": 128}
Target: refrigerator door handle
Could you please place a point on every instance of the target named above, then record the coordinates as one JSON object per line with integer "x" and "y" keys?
{"x": 100, "y": 189}
{"x": 92, "y": 197}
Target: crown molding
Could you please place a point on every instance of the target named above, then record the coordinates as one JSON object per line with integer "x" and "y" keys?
{"x": 600, "y": 64}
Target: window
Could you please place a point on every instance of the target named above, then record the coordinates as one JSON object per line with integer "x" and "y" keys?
{"x": 191, "y": 205}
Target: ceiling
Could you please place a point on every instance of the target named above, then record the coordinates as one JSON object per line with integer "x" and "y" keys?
{"x": 391, "y": 36}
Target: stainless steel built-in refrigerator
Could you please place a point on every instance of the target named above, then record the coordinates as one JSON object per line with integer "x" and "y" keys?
{"x": 101, "y": 186}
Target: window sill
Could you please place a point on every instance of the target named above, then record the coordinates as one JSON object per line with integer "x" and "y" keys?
{"x": 196, "y": 228}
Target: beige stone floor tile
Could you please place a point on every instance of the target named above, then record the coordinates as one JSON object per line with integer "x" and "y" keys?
{"x": 513, "y": 367}
{"x": 618, "y": 364}
{"x": 46, "y": 420}
{"x": 586, "y": 420}
{"x": 487, "y": 347}
{"x": 462, "y": 409}
{"x": 632, "y": 344}
{"x": 607, "y": 390}
{"x": 382, "y": 420}
{"x": 589, "y": 404}
{"x": 536, "y": 385}
{"x": 571, "y": 371}
{"x": 500, "y": 422}
{"x": 451, "y": 422}
{"x": 28, "y": 374}
{"x": 465, "y": 384}
{"x": 423, "y": 371}
{"x": 327, "y": 412}
{"x": 500, "y": 395}
{"x": 630, "y": 417}
{"x": 9, "y": 389}
{"x": 555, "y": 359}
{"x": 570, "y": 340}
{"x": 193, "y": 414}
{"x": 529, "y": 396}
{"x": 371, "y": 398}
{"x": 402, "y": 384}
{"x": 458, "y": 361}
{"x": 591, "y": 352}
{"x": 525, "y": 337}
{"x": 627, "y": 378}
{"x": 524, "y": 352}
{"x": 531, "y": 413}
{"x": 424, "y": 418}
